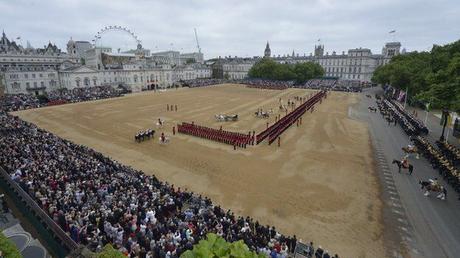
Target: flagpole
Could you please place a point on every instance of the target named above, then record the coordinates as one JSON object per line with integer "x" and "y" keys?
{"x": 405, "y": 97}
{"x": 426, "y": 117}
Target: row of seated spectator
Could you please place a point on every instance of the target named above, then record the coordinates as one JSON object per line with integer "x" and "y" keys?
{"x": 219, "y": 135}
{"x": 17, "y": 102}
{"x": 332, "y": 84}
{"x": 202, "y": 82}
{"x": 438, "y": 161}
{"x": 83, "y": 94}
{"x": 391, "y": 113}
{"x": 267, "y": 84}
{"x": 451, "y": 152}
{"x": 97, "y": 200}
{"x": 419, "y": 126}
{"x": 57, "y": 97}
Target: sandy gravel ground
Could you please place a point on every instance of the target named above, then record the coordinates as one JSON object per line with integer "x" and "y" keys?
{"x": 319, "y": 185}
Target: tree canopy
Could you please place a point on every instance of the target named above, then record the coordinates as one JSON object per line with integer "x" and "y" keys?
{"x": 7, "y": 248}
{"x": 431, "y": 77}
{"x": 215, "y": 247}
{"x": 267, "y": 68}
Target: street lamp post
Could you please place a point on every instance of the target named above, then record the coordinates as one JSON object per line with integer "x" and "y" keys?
{"x": 445, "y": 115}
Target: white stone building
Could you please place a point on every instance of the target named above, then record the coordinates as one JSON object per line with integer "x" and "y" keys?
{"x": 30, "y": 82}
{"x": 356, "y": 64}
{"x": 195, "y": 56}
{"x": 237, "y": 68}
{"x": 135, "y": 79}
{"x": 191, "y": 72}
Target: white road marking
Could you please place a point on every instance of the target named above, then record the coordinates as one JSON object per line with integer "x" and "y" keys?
{"x": 402, "y": 220}
{"x": 403, "y": 229}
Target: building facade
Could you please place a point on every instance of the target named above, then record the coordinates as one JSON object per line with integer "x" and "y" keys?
{"x": 36, "y": 81}
{"x": 36, "y": 71}
{"x": 356, "y": 64}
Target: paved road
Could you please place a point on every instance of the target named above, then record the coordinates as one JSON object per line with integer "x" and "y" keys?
{"x": 428, "y": 227}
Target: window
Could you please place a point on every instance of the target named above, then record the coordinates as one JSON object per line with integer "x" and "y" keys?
{"x": 42, "y": 84}
{"x": 27, "y": 84}
{"x": 26, "y": 76}
{"x": 16, "y": 85}
{"x": 35, "y": 84}
{"x": 33, "y": 75}
{"x": 41, "y": 75}
{"x": 51, "y": 75}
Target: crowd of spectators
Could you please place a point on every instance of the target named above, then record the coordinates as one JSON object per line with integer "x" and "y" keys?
{"x": 332, "y": 84}
{"x": 266, "y": 84}
{"x": 195, "y": 83}
{"x": 97, "y": 200}
{"x": 83, "y": 94}
{"x": 10, "y": 103}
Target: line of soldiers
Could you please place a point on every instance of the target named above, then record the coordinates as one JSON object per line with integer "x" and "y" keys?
{"x": 144, "y": 135}
{"x": 218, "y": 135}
{"x": 450, "y": 151}
{"x": 439, "y": 162}
{"x": 391, "y": 113}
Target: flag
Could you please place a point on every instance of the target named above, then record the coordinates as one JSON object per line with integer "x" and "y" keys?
{"x": 401, "y": 96}
{"x": 393, "y": 31}
{"x": 18, "y": 38}
{"x": 319, "y": 40}
{"x": 449, "y": 120}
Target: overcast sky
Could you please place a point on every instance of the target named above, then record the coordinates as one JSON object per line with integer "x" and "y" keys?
{"x": 239, "y": 28}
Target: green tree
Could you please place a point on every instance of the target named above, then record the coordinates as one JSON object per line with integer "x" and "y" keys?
{"x": 431, "y": 77}
{"x": 215, "y": 246}
{"x": 109, "y": 252}
{"x": 7, "y": 248}
{"x": 267, "y": 68}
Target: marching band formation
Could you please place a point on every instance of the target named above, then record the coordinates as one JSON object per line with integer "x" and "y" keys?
{"x": 394, "y": 112}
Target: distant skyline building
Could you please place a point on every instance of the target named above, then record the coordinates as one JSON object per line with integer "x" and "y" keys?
{"x": 267, "y": 52}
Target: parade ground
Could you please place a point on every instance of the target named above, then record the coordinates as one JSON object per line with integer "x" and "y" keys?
{"x": 319, "y": 185}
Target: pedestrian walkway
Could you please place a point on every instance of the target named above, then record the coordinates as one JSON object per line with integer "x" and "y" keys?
{"x": 28, "y": 246}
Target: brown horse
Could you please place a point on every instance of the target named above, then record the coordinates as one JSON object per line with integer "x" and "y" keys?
{"x": 399, "y": 164}
{"x": 429, "y": 187}
{"x": 413, "y": 150}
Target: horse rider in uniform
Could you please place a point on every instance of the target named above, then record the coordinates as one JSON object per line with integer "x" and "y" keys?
{"x": 405, "y": 162}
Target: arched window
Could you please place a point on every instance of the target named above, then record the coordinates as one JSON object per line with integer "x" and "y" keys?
{"x": 87, "y": 82}
{"x": 94, "y": 81}
{"x": 77, "y": 82}
{"x": 135, "y": 78}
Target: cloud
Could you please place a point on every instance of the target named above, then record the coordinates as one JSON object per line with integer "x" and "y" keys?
{"x": 237, "y": 27}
